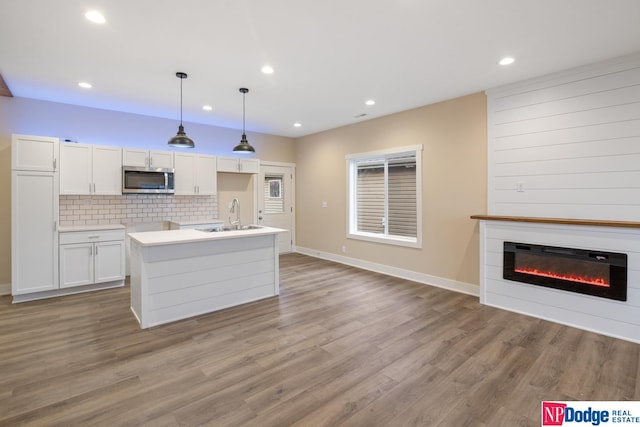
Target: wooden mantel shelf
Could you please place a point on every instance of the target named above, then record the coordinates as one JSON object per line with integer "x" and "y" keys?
{"x": 569, "y": 221}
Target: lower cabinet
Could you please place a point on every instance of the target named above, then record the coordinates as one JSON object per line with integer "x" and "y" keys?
{"x": 88, "y": 257}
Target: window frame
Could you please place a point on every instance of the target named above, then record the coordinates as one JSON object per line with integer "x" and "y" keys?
{"x": 352, "y": 214}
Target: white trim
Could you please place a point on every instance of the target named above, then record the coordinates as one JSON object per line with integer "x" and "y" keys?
{"x": 426, "y": 279}
{"x": 351, "y": 207}
{"x": 386, "y": 152}
{"x": 270, "y": 163}
{"x": 5, "y": 288}
{"x": 410, "y": 242}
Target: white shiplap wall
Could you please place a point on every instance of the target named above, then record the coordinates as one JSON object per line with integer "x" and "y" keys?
{"x": 571, "y": 142}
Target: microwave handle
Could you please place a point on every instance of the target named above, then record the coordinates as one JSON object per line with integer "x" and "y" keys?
{"x": 166, "y": 180}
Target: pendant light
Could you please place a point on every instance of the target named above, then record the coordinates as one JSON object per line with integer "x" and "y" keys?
{"x": 244, "y": 147}
{"x": 181, "y": 140}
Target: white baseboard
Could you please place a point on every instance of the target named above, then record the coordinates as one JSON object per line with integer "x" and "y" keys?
{"x": 440, "y": 282}
{"x": 5, "y": 288}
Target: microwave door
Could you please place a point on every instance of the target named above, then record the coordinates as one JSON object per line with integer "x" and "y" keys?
{"x": 144, "y": 181}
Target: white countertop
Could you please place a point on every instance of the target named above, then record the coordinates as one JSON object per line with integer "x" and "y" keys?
{"x": 100, "y": 227}
{"x": 170, "y": 237}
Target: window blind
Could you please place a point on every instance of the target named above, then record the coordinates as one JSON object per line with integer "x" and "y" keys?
{"x": 399, "y": 197}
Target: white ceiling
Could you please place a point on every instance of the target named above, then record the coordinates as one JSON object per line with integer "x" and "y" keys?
{"x": 329, "y": 56}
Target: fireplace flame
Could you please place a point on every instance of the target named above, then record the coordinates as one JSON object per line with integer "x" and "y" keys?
{"x": 596, "y": 281}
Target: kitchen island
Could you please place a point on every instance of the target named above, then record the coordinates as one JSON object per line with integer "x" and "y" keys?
{"x": 176, "y": 274}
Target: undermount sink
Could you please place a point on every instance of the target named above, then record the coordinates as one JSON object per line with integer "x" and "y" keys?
{"x": 229, "y": 228}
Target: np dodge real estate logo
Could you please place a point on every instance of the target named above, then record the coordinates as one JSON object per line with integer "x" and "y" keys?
{"x": 590, "y": 413}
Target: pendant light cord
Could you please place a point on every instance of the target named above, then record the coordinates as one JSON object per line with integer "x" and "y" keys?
{"x": 181, "y": 79}
{"x": 243, "y": 114}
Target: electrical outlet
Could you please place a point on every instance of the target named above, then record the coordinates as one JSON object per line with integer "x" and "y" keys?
{"x": 520, "y": 187}
{"x": 344, "y": 249}
{"x": 324, "y": 204}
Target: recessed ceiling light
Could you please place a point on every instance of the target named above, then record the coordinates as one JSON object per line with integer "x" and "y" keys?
{"x": 85, "y": 85}
{"x": 507, "y": 61}
{"x": 370, "y": 102}
{"x": 267, "y": 69}
{"x": 95, "y": 17}
{"x": 297, "y": 125}
{"x": 207, "y": 107}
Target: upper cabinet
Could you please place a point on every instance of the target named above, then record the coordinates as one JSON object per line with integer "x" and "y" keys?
{"x": 234, "y": 164}
{"x": 147, "y": 158}
{"x": 195, "y": 175}
{"x": 34, "y": 153}
{"x": 90, "y": 169}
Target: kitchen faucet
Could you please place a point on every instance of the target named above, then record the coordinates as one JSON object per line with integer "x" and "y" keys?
{"x": 235, "y": 204}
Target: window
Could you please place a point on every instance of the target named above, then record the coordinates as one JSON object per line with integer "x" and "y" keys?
{"x": 385, "y": 196}
{"x": 273, "y": 200}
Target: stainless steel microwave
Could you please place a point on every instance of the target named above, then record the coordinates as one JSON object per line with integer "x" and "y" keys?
{"x": 147, "y": 180}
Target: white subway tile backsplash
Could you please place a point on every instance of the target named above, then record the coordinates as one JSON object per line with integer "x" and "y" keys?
{"x": 135, "y": 208}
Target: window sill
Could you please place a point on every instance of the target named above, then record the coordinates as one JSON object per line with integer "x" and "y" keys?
{"x": 407, "y": 242}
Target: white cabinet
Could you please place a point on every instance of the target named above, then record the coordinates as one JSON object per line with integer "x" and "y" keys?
{"x": 233, "y": 164}
{"x": 88, "y": 257}
{"x": 34, "y": 153}
{"x": 147, "y": 158}
{"x": 195, "y": 175}
{"x": 34, "y": 214}
{"x": 34, "y": 235}
{"x": 90, "y": 169}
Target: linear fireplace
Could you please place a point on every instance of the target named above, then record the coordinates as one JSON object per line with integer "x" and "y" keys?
{"x": 597, "y": 273}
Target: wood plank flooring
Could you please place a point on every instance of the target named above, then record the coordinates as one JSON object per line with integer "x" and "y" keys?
{"x": 340, "y": 346}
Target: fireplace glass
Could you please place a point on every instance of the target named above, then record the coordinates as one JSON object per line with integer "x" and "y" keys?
{"x": 596, "y": 273}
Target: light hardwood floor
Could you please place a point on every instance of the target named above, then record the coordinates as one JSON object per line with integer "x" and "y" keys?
{"x": 340, "y": 346}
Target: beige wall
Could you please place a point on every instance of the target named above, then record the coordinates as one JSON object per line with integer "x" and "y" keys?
{"x": 230, "y": 186}
{"x": 103, "y": 127}
{"x": 453, "y": 134}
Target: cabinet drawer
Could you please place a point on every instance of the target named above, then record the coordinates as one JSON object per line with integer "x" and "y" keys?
{"x": 91, "y": 236}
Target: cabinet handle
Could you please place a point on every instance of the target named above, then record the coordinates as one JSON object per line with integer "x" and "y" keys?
{"x": 150, "y": 161}
{"x": 89, "y": 188}
{"x": 91, "y": 250}
{"x": 93, "y": 237}
{"x": 96, "y": 250}
{"x": 55, "y": 225}
{"x": 55, "y": 162}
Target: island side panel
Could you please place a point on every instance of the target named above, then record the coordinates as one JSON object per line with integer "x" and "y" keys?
{"x": 135, "y": 262}
{"x": 187, "y": 279}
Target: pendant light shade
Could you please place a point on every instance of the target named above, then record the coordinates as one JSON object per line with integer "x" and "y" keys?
{"x": 244, "y": 147}
{"x": 181, "y": 140}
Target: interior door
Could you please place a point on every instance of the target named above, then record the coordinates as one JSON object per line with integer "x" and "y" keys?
{"x": 275, "y": 202}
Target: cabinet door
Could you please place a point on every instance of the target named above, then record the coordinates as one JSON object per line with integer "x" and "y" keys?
{"x": 34, "y": 235}
{"x": 248, "y": 165}
{"x": 34, "y": 153}
{"x": 109, "y": 261}
{"x": 184, "y": 179}
{"x": 135, "y": 157}
{"x": 75, "y": 169}
{"x": 227, "y": 164}
{"x": 161, "y": 159}
{"x": 107, "y": 170}
{"x": 76, "y": 265}
{"x": 206, "y": 175}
